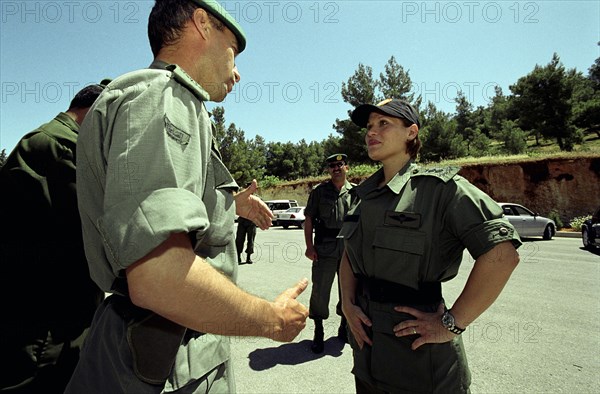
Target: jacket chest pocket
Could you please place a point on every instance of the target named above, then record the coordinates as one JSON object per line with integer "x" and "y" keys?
{"x": 398, "y": 254}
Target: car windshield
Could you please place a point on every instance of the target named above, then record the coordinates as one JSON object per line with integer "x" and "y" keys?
{"x": 277, "y": 206}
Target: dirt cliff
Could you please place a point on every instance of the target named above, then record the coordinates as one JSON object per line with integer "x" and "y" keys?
{"x": 569, "y": 186}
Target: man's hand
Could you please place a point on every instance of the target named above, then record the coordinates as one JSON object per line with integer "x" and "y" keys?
{"x": 292, "y": 313}
{"x": 251, "y": 207}
{"x": 311, "y": 253}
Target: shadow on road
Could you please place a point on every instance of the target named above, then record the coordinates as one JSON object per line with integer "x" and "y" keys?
{"x": 292, "y": 354}
{"x": 595, "y": 251}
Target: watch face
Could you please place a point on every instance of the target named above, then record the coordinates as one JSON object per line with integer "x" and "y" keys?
{"x": 448, "y": 320}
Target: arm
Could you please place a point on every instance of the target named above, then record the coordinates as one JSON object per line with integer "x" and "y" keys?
{"x": 175, "y": 283}
{"x": 310, "y": 252}
{"x": 486, "y": 281}
{"x": 354, "y": 315}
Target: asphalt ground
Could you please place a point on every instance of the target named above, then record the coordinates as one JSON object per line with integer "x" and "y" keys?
{"x": 542, "y": 335}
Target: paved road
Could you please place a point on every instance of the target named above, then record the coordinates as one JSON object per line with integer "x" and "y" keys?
{"x": 541, "y": 336}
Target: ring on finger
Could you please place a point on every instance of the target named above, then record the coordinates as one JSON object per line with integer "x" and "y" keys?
{"x": 414, "y": 331}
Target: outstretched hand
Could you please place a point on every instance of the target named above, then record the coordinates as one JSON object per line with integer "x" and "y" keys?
{"x": 249, "y": 206}
{"x": 293, "y": 313}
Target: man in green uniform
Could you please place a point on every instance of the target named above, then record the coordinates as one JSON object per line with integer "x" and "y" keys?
{"x": 41, "y": 251}
{"x": 327, "y": 204}
{"x": 158, "y": 208}
{"x": 246, "y": 231}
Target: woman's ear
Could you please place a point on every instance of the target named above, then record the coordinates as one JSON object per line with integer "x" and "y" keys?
{"x": 413, "y": 132}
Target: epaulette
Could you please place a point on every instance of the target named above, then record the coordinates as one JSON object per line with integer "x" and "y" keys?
{"x": 186, "y": 81}
{"x": 443, "y": 173}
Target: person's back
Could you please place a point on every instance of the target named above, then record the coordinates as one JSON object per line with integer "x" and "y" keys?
{"x": 41, "y": 252}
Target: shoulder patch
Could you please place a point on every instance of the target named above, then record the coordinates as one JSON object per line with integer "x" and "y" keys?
{"x": 175, "y": 133}
{"x": 186, "y": 81}
{"x": 443, "y": 173}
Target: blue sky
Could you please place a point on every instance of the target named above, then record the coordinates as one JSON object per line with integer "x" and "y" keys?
{"x": 298, "y": 54}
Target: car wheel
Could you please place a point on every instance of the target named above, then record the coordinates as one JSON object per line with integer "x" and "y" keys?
{"x": 285, "y": 226}
{"x": 548, "y": 232}
{"x": 585, "y": 238}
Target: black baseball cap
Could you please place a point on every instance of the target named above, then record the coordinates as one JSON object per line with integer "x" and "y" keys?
{"x": 393, "y": 107}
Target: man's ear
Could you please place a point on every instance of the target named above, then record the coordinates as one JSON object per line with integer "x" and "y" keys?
{"x": 201, "y": 21}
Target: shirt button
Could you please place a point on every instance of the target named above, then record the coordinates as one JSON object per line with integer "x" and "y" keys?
{"x": 503, "y": 231}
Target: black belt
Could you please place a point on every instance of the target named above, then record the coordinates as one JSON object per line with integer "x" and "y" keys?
{"x": 324, "y": 232}
{"x": 380, "y": 290}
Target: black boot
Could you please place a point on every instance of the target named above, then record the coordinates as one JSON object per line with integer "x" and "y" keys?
{"x": 317, "y": 345}
{"x": 239, "y": 259}
{"x": 342, "y": 331}
{"x": 248, "y": 260}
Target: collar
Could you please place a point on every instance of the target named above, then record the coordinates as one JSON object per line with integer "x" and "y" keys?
{"x": 395, "y": 184}
{"x": 66, "y": 120}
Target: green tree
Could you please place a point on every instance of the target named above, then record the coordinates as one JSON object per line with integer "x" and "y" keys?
{"x": 514, "y": 139}
{"x": 3, "y": 157}
{"x": 542, "y": 100}
{"x": 362, "y": 88}
{"x": 359, "y": 89}
{"x": 586, "y": 99}
{"x": 439, "y": 136}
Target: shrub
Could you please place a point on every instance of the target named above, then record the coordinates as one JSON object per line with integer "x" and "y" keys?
{"x": 577, "y": 222}
{"x": 269, "y": 181}
{"x": 556, "y": 217}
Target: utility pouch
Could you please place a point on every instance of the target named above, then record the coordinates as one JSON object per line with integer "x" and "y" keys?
{"x": 152, "y": 339}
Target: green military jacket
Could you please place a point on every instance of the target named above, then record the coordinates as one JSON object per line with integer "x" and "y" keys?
{"x": 41, "y": 248}
{"x": 148, "y": 168}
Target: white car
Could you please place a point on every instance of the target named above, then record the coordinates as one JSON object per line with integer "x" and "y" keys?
{"x": 292, "y": 217}
{"x": 278, "y": 207}
{"x": 528, "y": 223}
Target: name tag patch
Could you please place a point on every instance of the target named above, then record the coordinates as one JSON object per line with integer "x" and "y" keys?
{"x": 176, "y": 134}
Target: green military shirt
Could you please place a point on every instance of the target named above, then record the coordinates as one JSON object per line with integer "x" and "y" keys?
{"x": 148, "y": 168}
{"x": 41, "y": 254}
{"x": 328, "y": 205}
{"x": 410, "y": 231}
{"x": 422, "y": 220}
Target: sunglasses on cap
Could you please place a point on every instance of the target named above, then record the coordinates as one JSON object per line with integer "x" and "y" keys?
{"x": 338, "y": 164}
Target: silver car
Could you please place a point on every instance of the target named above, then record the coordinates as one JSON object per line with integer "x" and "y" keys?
{"x": 527, "y": 223}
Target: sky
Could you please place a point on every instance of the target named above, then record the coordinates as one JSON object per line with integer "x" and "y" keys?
{"x": 298, "y": 54}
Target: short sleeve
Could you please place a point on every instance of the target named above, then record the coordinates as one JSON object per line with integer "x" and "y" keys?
{"x": 477, "y": 220}
{"x": 156, "y": 171}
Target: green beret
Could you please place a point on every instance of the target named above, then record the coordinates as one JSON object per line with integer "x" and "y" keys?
{"x": 337, "y": 157}
{"x": 219, "y": 12}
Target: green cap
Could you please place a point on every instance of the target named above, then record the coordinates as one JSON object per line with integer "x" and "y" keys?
{"x": 219, "y": 12}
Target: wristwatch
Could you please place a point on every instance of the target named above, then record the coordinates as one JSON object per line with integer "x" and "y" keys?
{"x": 448, "y": 322}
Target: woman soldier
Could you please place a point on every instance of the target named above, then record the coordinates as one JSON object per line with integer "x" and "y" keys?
{"x": 404, "y": 235}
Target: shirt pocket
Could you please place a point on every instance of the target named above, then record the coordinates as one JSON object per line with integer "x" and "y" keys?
{"x": 398, "y": 253}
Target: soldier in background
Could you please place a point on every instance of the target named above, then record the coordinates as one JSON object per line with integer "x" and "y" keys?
{"x": 45, "y": 321}
{"x": 327, "y": 204}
